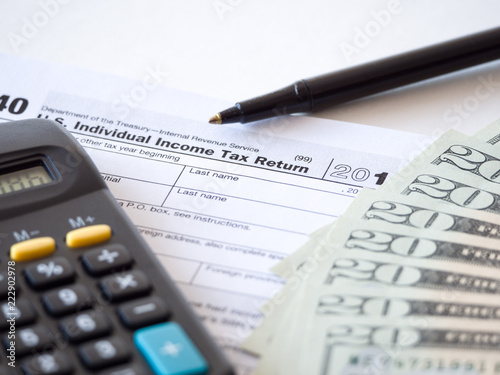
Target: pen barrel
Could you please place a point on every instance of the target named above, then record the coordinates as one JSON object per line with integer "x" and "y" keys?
{"x": 295, "y": 98}
{"x": 403, "y": 69}
{"x": 367, "y": 79}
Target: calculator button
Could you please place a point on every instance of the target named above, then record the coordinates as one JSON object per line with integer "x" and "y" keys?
{"x": 52, "y": 272}
{"x": 4, "y": 286}
{"x": 126, "y": 285}
{"x": 86, "y": 326}
{"x": 104, "y": 353}
{"x": 106, "y": 260}
{"x": 22, "y": 313}
{"x": 143, "y": 312}
{"x": 30, "y": 340}
{"x": 88, "y": 236}
{"x": 57, "y": 363}
{"x": 169, "y": 351}
{"x": 32, "y": 249}
{"x": 67, "y": 300}
{"x": 134, "y": 369}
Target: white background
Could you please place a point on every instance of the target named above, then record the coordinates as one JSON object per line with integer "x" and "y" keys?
{"x": 236, "y": 49}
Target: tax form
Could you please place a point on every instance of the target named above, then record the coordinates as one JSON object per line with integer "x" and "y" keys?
{"x": 219, "y": 205}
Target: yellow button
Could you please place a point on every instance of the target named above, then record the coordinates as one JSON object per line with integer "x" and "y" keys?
{"x": 32, "y": 249}
{"x": 88, "y": 236}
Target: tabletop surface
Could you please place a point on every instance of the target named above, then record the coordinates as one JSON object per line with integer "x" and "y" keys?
{"x": 237, "y": 49}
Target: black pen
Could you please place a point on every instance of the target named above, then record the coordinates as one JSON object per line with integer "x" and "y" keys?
{"x": 311, "y": 94}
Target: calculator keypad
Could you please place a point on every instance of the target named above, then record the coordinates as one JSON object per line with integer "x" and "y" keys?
{"x": 86, "y": 326}
{"x": 56, "y": 363}
{"x": 82, "y": 323}
{"x": 88, "y": 236}
{"x": 143, "y": 312}
{"x": 32, "y": 249}
{"x": 31, "y": 340}
{"x": 23, "y": 313}
{"x": 105, "y": 260}
{"x": 104, "y": 353}
{"x": 169, "y": 351}
{"x": 125, "y": 285}
{"x": 49, "y": 273}
{"x": 67, "y": 300}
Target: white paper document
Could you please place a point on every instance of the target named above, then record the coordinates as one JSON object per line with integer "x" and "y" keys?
{"x": 219, "y": 205}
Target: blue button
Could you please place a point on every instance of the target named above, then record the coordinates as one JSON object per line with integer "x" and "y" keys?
{"x": 169, "y": 351}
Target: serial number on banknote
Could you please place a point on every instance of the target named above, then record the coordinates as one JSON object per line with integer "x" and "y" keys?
{"x": 422, "y": 363}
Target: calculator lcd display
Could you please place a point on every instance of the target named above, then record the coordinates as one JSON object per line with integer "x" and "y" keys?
{"x": 23, "y": 179}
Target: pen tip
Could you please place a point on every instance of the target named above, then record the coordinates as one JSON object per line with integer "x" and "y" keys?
{"x": 215, "y": 119}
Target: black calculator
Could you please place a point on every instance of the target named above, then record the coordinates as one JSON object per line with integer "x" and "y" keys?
{"x": 80, "y": 291}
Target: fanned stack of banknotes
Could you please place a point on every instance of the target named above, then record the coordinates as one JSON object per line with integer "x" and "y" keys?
{"x": 407, "y": 281}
